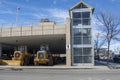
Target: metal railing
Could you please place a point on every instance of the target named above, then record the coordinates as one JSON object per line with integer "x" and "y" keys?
{"x": 28, "y": 23}
{"x": 20, "y": 24}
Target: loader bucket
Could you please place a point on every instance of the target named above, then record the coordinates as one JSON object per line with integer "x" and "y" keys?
{"x": 12, "y": 62}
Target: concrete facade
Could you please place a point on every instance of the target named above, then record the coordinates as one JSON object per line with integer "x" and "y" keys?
{"x": 42, "y": 29}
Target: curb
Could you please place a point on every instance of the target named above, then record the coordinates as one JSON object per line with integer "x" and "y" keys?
{"x": 54, "y": 67}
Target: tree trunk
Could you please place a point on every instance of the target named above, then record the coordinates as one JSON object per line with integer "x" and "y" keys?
{"x": 108, "y": 53}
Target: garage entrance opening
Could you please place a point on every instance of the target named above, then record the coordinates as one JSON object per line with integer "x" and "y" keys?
{"x": 56, "y": 44}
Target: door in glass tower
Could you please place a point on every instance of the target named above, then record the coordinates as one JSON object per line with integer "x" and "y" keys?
{"x": 81, "y": 37}
{"x": 82, "y": 55}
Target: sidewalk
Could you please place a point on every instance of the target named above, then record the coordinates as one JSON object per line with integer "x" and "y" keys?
{"x": 55, "y": 67}
{"x": 111, "y": 65}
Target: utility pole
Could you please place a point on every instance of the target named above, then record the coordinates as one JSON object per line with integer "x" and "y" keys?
{"x": 17, "y": 14}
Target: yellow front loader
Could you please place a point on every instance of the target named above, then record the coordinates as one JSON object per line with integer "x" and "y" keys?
{"x": 43, "y": 56}
{"x": 20, "y": 57}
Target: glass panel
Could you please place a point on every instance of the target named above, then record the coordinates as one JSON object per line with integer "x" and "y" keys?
{"x": 87, "y": 51}
{"x": 76, "y": 14}
{"x": 77, "y": 32}
{"x": 85, "y": 14}
{"x": 77, "y": 40}
{"x": 76, "y": 22}
{"x": 77, "y": 59}
{"x": 86, "y": 32}
{"x": 87, "y": 59}
{"x": 40, "y": 55}
{"x": 86, "y": 40}
{"x": 77, "y": 51}
{"x": 86, "y": 22}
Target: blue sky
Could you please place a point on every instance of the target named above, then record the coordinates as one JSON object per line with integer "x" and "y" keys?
{"x": 53, "y": 9}
{"x": 56, "y": 10}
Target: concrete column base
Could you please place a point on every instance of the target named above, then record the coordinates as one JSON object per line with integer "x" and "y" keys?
{"x": 68, "y": 58}
{"x": 0, "y": 50}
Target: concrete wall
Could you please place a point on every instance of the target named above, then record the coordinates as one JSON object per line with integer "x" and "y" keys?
{"x": 16, "y": 31}
{"x": 60, "y": 29}
{"x": 0, "y": 50}
{"x": 37, "y": 30}
{"x": 68, "y": 43}
{"x": 44, "y": 28}
{"x": 5, "y": 32}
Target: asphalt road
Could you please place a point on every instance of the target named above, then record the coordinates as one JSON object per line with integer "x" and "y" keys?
{"x": 42, "y": 74}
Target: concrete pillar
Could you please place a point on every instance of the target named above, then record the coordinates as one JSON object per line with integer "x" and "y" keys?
{"x": 0, "y": 50}
{"x": 68, "y": 43}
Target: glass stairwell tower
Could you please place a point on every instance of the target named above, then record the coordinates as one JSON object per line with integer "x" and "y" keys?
{"x": 81, "y": 34}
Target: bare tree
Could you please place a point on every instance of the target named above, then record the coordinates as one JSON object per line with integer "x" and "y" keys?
{"x": 117, "y": 50}
{"x": 110, "y": 26}
{"x": 98, "y": 42}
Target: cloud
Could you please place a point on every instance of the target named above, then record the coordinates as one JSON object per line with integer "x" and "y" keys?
{"x": 95, "y": 26}
{"x": 38, "y": 15}
{"x": 58, "y": 14}
{"x": 115, "y": 46}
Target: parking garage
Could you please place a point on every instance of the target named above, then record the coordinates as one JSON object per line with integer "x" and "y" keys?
{"x": 49, "y": 33}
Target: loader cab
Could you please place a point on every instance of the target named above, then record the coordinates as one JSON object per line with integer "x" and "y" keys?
{"x": 21, "y": 48}
{"x": 20, "y": 52}
{"x": 44, "y": 48}
{"x": 43, "y": 52}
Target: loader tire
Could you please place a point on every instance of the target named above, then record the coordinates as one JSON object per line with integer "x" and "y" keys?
{"x": 26, "y": 61}
{"x": 50, "y": 62}
{"x": 36, "y": 64}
